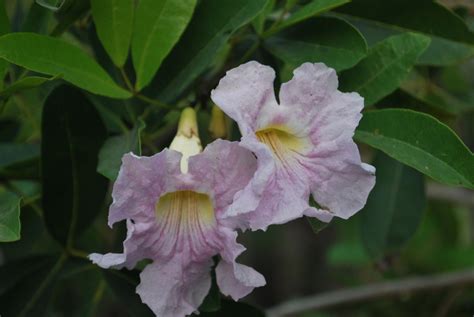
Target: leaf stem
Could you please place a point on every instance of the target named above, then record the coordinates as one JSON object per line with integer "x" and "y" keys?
{"x": 153, "y": 101}
{"x": 126, "y": 80}
{"x": 78, "y": 253}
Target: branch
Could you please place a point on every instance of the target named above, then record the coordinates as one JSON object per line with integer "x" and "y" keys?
{"x": 371, "y": 292}
{"x": 457, "y": 195}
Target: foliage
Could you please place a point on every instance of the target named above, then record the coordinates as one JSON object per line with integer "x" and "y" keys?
{"x": 83, "y": 82}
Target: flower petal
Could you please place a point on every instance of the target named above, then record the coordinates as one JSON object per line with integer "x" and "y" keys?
{"x": 228, "y": 168}
{"x": 309, "y": 89}
{"x": 140, "y": 182}
{"x": 303, "y": 146}
{"x": 133, "y": 249}
{"x": 244, "y": 92}
{"x": 341, "y": 182}
{"x": 234, "y": 279}
{"x": 175, "y": 288}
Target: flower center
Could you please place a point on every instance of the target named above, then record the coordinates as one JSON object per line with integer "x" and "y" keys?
{"x": 280, "y": 142}
{"x": 186, "y": 219}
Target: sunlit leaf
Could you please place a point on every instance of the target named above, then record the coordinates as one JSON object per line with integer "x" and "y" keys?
{"x": 308, "y": 10}
{"x": 114, "y": 23}
{"x": 56, "y": 57}
{"x": 420, "y": 141}
{"x": 158, "y": 26}
{"x": 451, "y": 40}
{"x": 385, "y": 66}
{"x": 211, "y": 26}
{"x": 328, "y": 40}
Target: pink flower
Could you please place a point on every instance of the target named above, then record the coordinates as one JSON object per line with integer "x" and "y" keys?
{"x": 176, "y": 208}
{"x": 303, "y": 144}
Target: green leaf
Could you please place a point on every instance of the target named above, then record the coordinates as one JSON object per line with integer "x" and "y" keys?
{"x": 23, "y": 84}
{"x": 311, "y": 9}
{"x": 56, "y": 57}
{"x": 69, "y": 12}
{"x": 13, "y": 153}
{"x": 212, "y": 301}
{"x": 123, "y": 284}
{"x": 385, "y": 67}
{"x": 114, "y": 23}
{"x": 4, "y": 28}
{"x": 259, "y": 21}
{"x": 328, "y": 40}
{"x": 426, "y": 91}
{"x": 394, "y": 209}
{"x": 29, "y": 296}
{"x": 72, "y": 134}
{"x": 158, "y": 26}
{"x": 9, "y": 217}
{"x": 110, "y": 155}
{"x": 420, "y": 141}
{"x": 234, "y": 309}
{"x": 211, "y": 26}
{"x": 451, "y": 39}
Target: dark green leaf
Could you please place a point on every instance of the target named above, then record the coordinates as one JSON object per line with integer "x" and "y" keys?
{"x": 212, "y": 301}
{"x": 13, "y": 153}
{"x": 394, "y": 209}
{"x": 311, "y": 9}
{"x": 37, "y": 20}
{"x": 420, "y": 141}
{"x": 328, "y": 40}
{"x": 69, "y": 12}
{"x": 211, "y": 26}
{"x": 13, "y": 272}
{"x": 385, "y": 66}
{"x": 23, "y": 84}
{"x": 234, "y": 309}
{"x": 123, "y": 284}
{"x": 158, "y": 26}
{"x": 426, "y": 91}
{"x": 114, "y": 23}
{"x": 451, "y": 39}
{"x": 56, "y": 57}
{"x": 4, "y": 28}
{"x": 9, "y": 217}
{"x": 110, "y": 155}
{"x": 30, "y": 295}
{"x": 73, "y": 192}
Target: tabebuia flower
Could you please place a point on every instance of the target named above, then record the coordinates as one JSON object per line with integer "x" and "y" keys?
{"x": 175, "y": 204}
{"x": 303, "y": 143}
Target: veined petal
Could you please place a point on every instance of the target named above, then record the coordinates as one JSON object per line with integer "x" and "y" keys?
{"x": 307, "y": 146}
{"x": 140, "y": 181}
{"x": 178, "y": 219}
{"x": 175, "y": 288}
{"x": 244, "y": 92}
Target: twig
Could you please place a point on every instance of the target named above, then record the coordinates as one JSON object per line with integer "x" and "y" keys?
{"x": 371, "y": 292}
{"x": 457, "y": 195}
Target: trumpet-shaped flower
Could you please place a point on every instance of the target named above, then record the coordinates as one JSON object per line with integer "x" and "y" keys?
{"x": 176, "y": 207}
{"x": 303, "y": 144}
